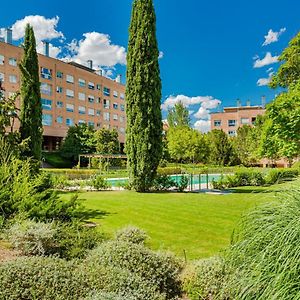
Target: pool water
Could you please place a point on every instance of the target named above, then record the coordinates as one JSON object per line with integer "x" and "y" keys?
{"x": 193, "y": 179}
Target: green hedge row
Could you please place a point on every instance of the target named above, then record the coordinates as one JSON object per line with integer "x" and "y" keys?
{"x": 255, "y": 177}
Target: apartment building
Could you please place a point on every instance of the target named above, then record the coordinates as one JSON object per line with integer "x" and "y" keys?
{"x": 70, "y": 94}
{"x": 231, "y": 118}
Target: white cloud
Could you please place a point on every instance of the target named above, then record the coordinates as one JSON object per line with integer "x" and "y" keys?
{"x": 202, "y": 113}
{"x": 205, "y": 101}
{"x": 161, "y": 55}
{"x": 53, "y": 50}
{"x": 270, "y": 70}
{"x": 273, "y": 36}
{"x": 44, "y": 29}
{"x": 203, "y": 125}
{"x": 97, "y": 47}
{"x": 267, "y": 60}
{"x": 265, "y": 81}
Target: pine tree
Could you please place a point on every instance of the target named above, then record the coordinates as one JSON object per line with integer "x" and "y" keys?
{"x": 143, "y": 95}
{"x": 31, "y": 109}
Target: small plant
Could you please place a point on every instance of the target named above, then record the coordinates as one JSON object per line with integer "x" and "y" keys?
{"x": 131, "y": 234}
{"x": 183, "y": 183}
{"x": 163, "y": 183}
{"x": 32, "y": 238}
{"x": 99, "y": 183}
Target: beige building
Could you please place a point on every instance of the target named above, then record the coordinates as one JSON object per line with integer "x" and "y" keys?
{"x": 234, "y": 117}
{"x": 70, "y": 94}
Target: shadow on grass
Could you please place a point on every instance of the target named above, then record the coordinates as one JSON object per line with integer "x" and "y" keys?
{"x": 253, "y": 190}
{"x": 88, "y": 214}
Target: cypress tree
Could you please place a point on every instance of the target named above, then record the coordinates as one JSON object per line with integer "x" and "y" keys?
{"x": 143, "y": 95}
{"x": 31, "y": 108}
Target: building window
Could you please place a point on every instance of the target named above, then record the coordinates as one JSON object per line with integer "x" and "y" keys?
{"x": 91, "y": 86}
{"x": 106, "y": 104}
{"x": 98, "y": 125}
{"x": 47, "y": 120}
{"x": 70, "y": 107}
{"x": 232, "y": 133}
{"x": 106, "y": 116}
{"x": 106, "y": 91}
{"x": 69, "y": 122}
{"x": 115, "y": 117}
{"x": 231, "y": 123}
{"x": 81, "y": 96}
{"x": 91, "y": 98}
{"x": 46, "y": 88}
{"x": 59, "y": 74}
{"x": 12, "y": 61}
{"x": 81, "y": 122}
{"x": 98, "y": 87}
{"x": 91, "y": 124}
{"x": 69, "y": 78}
{"x": 98, "y": 113}
{"x": 121, "y": 119}
{"x": 91, "y": 112}
{"x": 81, "y": 82}
{"x": 122, "y": 130}
{"x": 59, "y": 104}
{"x": 115, "y": 93}
{"x": 217, "y": 123}
{"x": 1, "y": 59}
{"x": 244, "y": 121}
{"x": 59, "y": 119}
{"x": 46, "y": 104}
{"x": 70, "y": 93}
{"x": 115, "y": 105}
{"x": 98, "y": 100}
{"x": 2, "y": 77}
{"x": 122, "y": 96}
{"x": 122, "y": 106}
{"x": 59, "y": 89}
{"x": 253, "y": 120}
{"x": 12, "y": 78}
{"x": 46, "y": 73}
{"x": 81, "y": 110}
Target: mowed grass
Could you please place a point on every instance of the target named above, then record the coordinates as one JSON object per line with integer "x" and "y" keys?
{"x": 200, "y": 225}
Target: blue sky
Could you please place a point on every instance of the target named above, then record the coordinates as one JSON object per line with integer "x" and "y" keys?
{"x": 208, "y": 46}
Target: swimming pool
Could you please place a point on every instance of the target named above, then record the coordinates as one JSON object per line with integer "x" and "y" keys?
{"x": 193, "y": 179}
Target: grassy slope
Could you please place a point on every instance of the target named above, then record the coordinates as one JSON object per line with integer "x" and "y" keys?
{"x": 200, "y": 224}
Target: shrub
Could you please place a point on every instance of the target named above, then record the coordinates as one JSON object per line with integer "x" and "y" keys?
{"x": 263, "y": 260}
{"x": 204, "y": 279}
{"x": 50, "y": 278}
{"x": 108, "y": 296}
{"x": 169, "y": 171}
{"x": 183, "y": 183}
{"x": 99, "y": 183}
{"x": 131, "y": 234}
{"x": 280, "y": 175}
{"x": 163, "y": 183}
{"x": 32, "y": 238}
{"x": 74, "y": 240}
{"x": 159, "y": 270}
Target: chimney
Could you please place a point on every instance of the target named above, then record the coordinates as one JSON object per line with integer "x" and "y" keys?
{"x": 263, "y": 101}
{"x": 99, "y": 72}
{"x": 46, "y": 48}
{"x": 248, "y": 103}
{"x": 119, "y": 78}
{"x": 238, "y": 102}
{"x": 90, "y": 63}
{"x": 8, "y": 36}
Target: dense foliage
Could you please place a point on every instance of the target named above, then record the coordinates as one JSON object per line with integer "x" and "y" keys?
{"x": 143, "y": 96}
{"x": 178, "y": 116}
{"x": 31, "y": 107}
{"x": 107, "y": 141}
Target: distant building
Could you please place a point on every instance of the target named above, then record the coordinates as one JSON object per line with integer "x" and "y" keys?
{"x": 70, "y": 94}
{"x": 234, "y": 117}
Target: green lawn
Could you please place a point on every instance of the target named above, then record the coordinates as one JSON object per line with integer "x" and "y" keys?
{"x": 199, "y": 224}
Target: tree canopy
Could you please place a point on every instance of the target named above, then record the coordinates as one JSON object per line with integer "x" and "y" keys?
{"x": 178, "y": 116}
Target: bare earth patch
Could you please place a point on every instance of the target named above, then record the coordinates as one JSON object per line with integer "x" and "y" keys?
{"x": 7, "y": 254}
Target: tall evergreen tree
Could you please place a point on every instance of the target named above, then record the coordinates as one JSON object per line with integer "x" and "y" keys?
{"x": 143, "y": 95}
{"x": 178, "y": 116}
{"x": 31, "y": 108}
